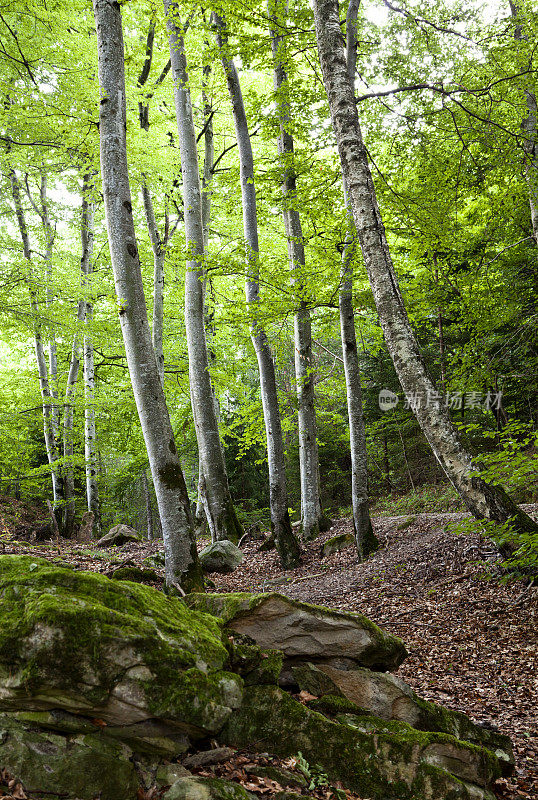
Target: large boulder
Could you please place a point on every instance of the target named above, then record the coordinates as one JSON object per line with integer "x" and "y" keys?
{"x": 222, "y": 556}
{"x": 303, "y": 631}
{"x": 390, "y": 698}
{"x": 118, "y": 535}
{"x": 392, "y": 761}
{"x": 117, "y": 651}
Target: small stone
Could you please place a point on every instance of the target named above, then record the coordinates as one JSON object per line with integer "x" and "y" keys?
{"x": 222, "y": 556}
{"x": 206, "y": 757}
{"x": 337, "y": 543}
{"x": 118, "y": 535}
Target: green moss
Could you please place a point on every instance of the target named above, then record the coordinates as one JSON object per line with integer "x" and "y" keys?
{"x": 383, "y": 765}
{"x": 59, "y": 624}
{"x": 332, "y": 704}
{"x": 136, "y": 575}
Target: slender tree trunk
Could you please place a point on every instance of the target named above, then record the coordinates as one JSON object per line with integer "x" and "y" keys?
{"x": 529, "y": 126}
{"x": 49, "y": 429}
{"x": 150, "y": 534}
{"x": 180, "y": 547}
{"x": 483, "y": 500}
{"x": 158, "y": 248}
{"x": 207, "y": 178}
{"x": 286, "y": 543}
{"x": 365, "y": 538}
{"x": 222, "y": 518}
{"x": 50, "y": 235}
{"x": 68, "y": 521}
{"x": 304, "y": 364}
{"x": 90, "y": 433}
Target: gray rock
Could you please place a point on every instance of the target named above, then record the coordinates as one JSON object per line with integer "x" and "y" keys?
{"x": 118, "y": 535}
{"x": 81, "y": 766}
{"x": 303, "y": 631}
{"x": 221, "y": 557}
{"x": 388, "y": 697}
{"x": 377, "y": 764}
{"x": 337, "y": 543}
{"x": 167, "y": 774}
{"x": 197, "y": 788}
{"x": 206, "y": 757}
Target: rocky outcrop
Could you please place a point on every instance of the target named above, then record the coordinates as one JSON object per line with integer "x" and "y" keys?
{"x": 118, "y": 535}
{"x": 302, "y": 631}
{"x": 390, "y": 698}
{"x": 104, "y": 684}
{"x": 396, "y": 763}
{"x": 222, "y": 556}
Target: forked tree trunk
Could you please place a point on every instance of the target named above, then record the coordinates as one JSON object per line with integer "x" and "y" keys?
{"x": 482, "y": 499}
{"x": 365, "y": 538}
{"x": 222, "y": 518}
{"x": 181, "y": 559}
{"x": 49, "y": 429}
{"x": 286, "y": 543}
{"x": 304, "y": 364}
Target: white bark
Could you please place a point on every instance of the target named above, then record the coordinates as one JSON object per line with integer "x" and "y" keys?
{"x": 158, "y": 248}
{"x": 180, "y": 548}
{"x": 90, "y": 433}
{"x": 530, "y": 128}
{"x": 222, "y": 519}
{"x": 304, "y": 364}
{"x": 365, "y": 539}
{"x": 483, "y": 500}
{"x": 286, "y": 543}
{"x": 49, "y": 429}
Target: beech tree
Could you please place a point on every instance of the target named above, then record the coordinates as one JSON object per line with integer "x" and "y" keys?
{"x": 221, "y": 516}
{"x": 484, "y": 500}
{"x": 286, "y": 543}
{"x": 181, "y": 559}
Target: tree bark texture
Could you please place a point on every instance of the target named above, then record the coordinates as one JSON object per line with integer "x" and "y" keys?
{"x": 365, "y": 539}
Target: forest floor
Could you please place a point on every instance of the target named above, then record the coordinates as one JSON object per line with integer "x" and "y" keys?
{"x": 472, "y": 636}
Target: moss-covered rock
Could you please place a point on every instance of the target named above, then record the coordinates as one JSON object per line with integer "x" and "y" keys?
{"x": 410, "y": 765}
{"x": 222, "y": 556}
{"x": 301, "y": 630}
{"x": 110, "y": 649}
{"x": 83, "y": 766}
{"x": 136, "y": 575}
{"x": 197, "y": 788}
{"x": 388, "y": 697}
{"x": 337, "y": 543}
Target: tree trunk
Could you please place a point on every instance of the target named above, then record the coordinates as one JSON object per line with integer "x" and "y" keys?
{"x": 181, "y": 559}
{"x": 304, "y": 365}
{"x": 90, "y": 434}
{"x": 365, "y": 538}
{"x": 49, "y": 429}
{"x": 158, "y": 248}
{"x": 150, "y": 534}
{"x": 529, "y": 126}
{"x": 222, "y": 518}
{"x": 286, "y": 543}
{"x": 483, "y": 500}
